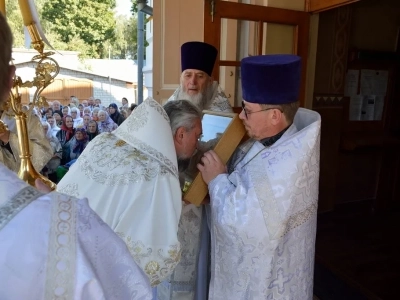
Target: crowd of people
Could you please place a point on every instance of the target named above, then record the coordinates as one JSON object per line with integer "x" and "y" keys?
{"x": 71, "y": 127}
{"x": 117, "y": 224}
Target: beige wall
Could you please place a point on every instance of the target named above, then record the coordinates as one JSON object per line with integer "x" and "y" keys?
{"x": 179, "y": 21}
{"x": 175, "y": 22}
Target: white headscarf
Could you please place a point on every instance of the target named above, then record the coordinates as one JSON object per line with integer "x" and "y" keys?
{"x": 49, "y": 132}
{"x": 68, "y": 113}
{"x": 78, "y": 120}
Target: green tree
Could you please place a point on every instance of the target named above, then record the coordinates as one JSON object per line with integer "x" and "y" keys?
{"x": 90, "y": 20}
{"x": 79, "y": 36}
{"x": 134, "y": 9}
{"x": 124, "y": 44}
{"x": 14, "y": 19}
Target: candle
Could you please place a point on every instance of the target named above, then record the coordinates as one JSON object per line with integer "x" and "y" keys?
{"x": 26, "y": 12}
{"x": 3, "y": 7}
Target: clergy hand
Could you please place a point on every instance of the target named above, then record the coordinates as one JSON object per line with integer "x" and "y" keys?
{"x": 4, "y": 133}
{"x": 211, "y": 166}
{"x": 41, "y": 186}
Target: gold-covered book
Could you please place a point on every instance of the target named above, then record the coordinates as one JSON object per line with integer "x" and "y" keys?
{"x": 222, "y": 132}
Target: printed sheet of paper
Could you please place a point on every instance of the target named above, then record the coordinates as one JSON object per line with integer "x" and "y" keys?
{"x": 368, "y": 108}
{"x": 356, "y": 103}
{"x": 351, "y": 86}
{"x": 381, "y": 82}
{"x": 373, "y": 82}
{"x": 367, "y": 82}
{"x": 379, "y": 102}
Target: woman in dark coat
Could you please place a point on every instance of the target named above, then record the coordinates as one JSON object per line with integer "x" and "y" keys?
{"x": 115, "y": 115}
{"x": 92, "y": 130}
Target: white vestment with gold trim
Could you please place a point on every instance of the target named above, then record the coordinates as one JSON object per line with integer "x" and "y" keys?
{"x": 131, "y": 179}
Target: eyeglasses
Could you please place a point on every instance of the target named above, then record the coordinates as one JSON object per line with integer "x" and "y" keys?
{"x": 246, "y": 113}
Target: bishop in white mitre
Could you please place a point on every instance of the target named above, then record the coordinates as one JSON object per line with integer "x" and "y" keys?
{"x": 131, "y": 176}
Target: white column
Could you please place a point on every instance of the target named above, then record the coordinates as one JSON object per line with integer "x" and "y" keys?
{"x": 148, "y": 67}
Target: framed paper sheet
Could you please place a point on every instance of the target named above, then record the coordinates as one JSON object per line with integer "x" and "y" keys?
{"x": 222, "y": 132}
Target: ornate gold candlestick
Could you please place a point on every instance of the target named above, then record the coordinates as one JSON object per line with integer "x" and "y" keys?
{"x": 46, "y": 70}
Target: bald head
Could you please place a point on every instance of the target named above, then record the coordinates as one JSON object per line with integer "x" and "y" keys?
{"x": 6, "y": 71}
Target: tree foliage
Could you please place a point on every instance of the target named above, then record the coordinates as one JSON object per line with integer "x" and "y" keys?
{"x": 87, "y": 26}
{"x": 14, "y": 19}
{"x": 124, "y": 43}
{"x": 90, "y": 20}
{"x": 134, "y": 8}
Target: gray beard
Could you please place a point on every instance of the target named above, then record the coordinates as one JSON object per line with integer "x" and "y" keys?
{"x": 202, "y": 99}
{"x": 183, "y": 164}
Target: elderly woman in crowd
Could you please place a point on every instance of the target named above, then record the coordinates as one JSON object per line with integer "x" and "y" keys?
{"x": 86, "y": 120}
{"x": 77, "y": 144}
{"x": 54, "y": 162}
{"x": 92, "y": 130}
{"x": 106, "y": 124}
{"x": 65, "y": 134}
{"x": 66, "y": 111}
{"x": 87, "y": 110}
{"x": 58, "y": 116}
{"x": 95, "y": 114}
{"x": 75, "y": 114}
{"x": 115, "y": 115}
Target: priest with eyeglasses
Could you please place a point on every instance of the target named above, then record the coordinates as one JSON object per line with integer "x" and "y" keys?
{"x": 264, "y": 202}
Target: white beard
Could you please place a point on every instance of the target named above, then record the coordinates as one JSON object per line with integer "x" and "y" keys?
{"x": 202, "y": 99}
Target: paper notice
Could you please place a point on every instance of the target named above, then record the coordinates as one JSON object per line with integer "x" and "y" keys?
{"x": 351, "y": 87}
{"x": 368, "y": 108}
{"x": 367, "y": 82}
{"x": 379, "y": 102}
{"x": 356, "y": 103}
{"x": 373, "y": 82}
{"x": 380, "y": 83}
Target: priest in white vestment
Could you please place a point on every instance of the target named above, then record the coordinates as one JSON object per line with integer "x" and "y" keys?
{"x": 190, "y": 278}
{"x": 131, "y": 177}
{"x": 264, "y": 203}
{"x": 54, "y": 246}
{"x": 39, "y": 146}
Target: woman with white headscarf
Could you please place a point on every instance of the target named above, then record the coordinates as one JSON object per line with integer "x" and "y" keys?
{"x": 66, "y": 110}
{"x": 53, "y": 126}
{"x": 76, "y": 117}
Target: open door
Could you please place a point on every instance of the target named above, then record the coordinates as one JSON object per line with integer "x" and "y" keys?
{"x": 239, "y": 30}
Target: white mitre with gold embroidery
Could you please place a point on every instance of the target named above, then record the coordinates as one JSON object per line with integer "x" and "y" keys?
{"x": 131, "y": 179}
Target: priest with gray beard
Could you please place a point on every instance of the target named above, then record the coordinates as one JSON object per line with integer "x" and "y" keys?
{"x": 196, "y": 83}
{"x": 190, "y": 279}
